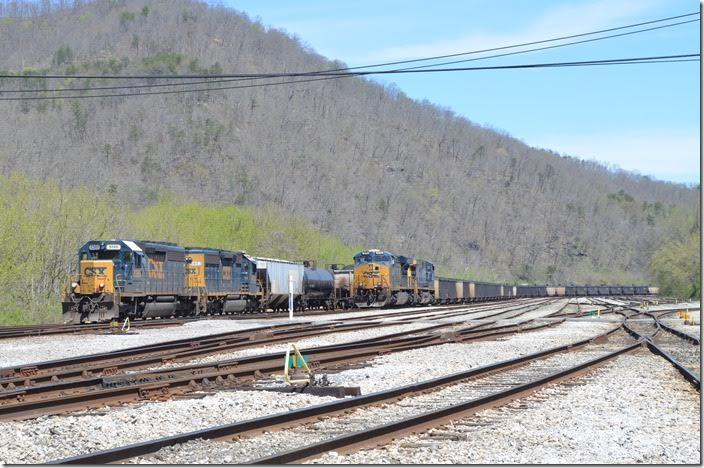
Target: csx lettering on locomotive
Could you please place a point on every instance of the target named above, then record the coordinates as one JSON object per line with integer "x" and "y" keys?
{"x": 94, "y": 271}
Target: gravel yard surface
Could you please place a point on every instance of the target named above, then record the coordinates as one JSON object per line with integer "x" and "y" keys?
{"x": 397, "y": 369}
{"x": 324, "y": 340}
{"x": 637, "y": 409}
{"x": 54, "y": 437}
{"x": 49, "y": 347}
{"x": 679, "y": 305}
{"x": 240, "y": 451}
{"x": 60, "y": 436}
{"x": 678, "y": 324}
{"x": 344, "y": 337}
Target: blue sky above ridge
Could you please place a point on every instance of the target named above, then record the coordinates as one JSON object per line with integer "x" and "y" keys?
{"x": 642, "y": 118}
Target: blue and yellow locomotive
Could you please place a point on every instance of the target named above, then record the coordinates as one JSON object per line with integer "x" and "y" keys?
{"x": 382, "y": 278}
{"x": 142, "y": 279}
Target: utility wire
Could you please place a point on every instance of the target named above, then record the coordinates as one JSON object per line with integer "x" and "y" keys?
{"x": 275, "y": 75}
{"x": 157, "y": 85}
{"x": 494, "y": 49}
{"x": 552, "y": 46}
{"x": 625, "y": 61}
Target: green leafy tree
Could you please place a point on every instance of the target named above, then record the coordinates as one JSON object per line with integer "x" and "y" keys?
{"x": 675, "y": 264}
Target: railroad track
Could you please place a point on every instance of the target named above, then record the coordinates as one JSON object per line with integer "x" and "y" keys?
{"x": 679, "y": 348}
{"x": 54, "y": 393}
{"x": 119, "y": 361}
{"x": 458, "y": 395}
{"x": 22, "y": 331}
{"x": 57, "y": 329}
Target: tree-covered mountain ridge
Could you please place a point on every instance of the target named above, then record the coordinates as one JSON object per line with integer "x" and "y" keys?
{"x": 355, "y": 158}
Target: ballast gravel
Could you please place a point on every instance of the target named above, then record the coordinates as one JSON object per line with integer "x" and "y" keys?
{"x": 250, "y": 449}
{"x": 637, "y": 409}
{"x": 396, "y": 369}
{"x": 679, "y": 324}
{"x": 62, "y": 436}
{"x": 343, "y": 337}
{"x": 49, "y": 347}
{"x": 54, "y": 437}
{"x": 322, "y": 340}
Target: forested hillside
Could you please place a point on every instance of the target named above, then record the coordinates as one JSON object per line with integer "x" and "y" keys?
{"x": 353, "y": 158}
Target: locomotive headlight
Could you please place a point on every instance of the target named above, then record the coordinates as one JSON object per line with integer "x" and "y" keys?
{"x": 74, "y": 285}
{"x": 101, "y": 285}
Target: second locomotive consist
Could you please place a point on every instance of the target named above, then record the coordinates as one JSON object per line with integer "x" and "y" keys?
{"x": 382, "y": 278}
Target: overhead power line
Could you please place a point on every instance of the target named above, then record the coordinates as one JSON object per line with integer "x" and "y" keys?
{"x": 277, "y": 75}
{"x": 337, "y": 75}
{"x": 229, "y": 80}
{"x": 525, "y": 44}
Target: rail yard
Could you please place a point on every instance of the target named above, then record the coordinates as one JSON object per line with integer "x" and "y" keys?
{"x": 519, "y": 380}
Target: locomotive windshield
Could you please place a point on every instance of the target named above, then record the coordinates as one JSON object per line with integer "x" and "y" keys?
{"x": 100, "y": 255}
{"x": 369, "y": 257}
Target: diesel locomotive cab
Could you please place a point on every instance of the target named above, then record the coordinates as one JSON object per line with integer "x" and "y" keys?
{"x": 382, "y": 278}
{"x": 104, "y": 269}
{"x": 372, "y": 278}
{"x": 125, "y": 278}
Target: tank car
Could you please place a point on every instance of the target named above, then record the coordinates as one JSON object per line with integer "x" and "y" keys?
{"x": 382, "y": 278}
{"x": 318, "y": 287}
{"x": 344, "y": 279}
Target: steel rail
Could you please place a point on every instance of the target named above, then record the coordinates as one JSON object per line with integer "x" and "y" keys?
{"x": 114, "y": 362}
{"x": 685, "y": 336}
{"x": 311, "y": 413}
{"x": 96, "y": 360}
{"x": 55, "y": 398}
{"x": 379, "y": 434}
{"x": 57, "y": 329}
{"x": 23, "y": 331}
{"x": 654, "y": 348}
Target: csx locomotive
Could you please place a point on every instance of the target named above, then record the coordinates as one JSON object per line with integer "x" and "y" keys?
{"x": 142, "y": 279}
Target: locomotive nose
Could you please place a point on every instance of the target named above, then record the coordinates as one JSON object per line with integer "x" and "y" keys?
{"x": 96, "y": 276}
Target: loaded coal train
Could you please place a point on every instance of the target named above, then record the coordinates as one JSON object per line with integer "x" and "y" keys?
{"x": 120, "y": 279}
{"x": 384, "y": 279}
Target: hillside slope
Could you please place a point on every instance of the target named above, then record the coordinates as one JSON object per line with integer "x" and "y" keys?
{"x": 352, "y": 157}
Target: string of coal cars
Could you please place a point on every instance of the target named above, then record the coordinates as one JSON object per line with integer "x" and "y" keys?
{"x": 120, "y": 279}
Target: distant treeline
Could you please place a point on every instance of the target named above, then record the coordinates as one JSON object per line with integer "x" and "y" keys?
{"x": 42, "y": 225}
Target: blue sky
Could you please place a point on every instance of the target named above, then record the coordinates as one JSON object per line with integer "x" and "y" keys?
{"x": 643, "y": 118}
